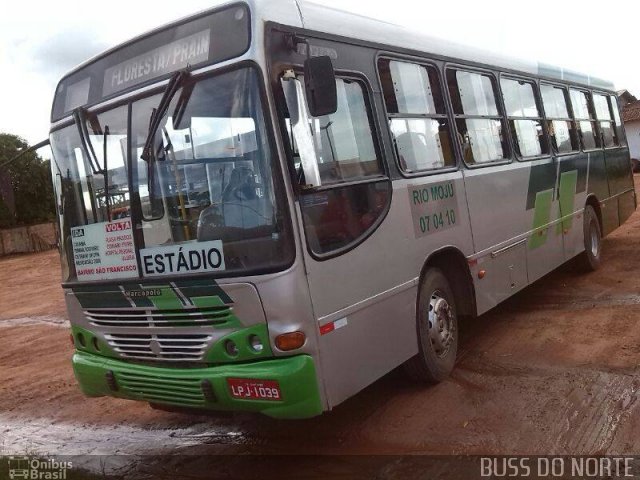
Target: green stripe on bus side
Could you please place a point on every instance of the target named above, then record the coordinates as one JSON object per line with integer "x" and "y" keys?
{"x": 541, "y": 217}
{"x": 567, "y": 196}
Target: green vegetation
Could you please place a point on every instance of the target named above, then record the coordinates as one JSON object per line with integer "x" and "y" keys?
{"x": 26, "y": 192}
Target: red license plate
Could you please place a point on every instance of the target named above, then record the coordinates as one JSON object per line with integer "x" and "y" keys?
{"x": 251, "y": 389}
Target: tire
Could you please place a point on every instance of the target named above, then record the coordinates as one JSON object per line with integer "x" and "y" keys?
{"x": 590, "y": 259}
{"x": 437, "y": 333}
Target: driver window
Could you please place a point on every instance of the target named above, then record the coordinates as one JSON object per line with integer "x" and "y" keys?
{"x": 342, "y": 212}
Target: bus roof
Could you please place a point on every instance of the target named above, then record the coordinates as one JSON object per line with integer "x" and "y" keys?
{"x": 333, "y": 21}
{"x": 312, "y": 16}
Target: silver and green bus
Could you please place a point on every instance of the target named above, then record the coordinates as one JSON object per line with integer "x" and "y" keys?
{"x": 268, "y": 206}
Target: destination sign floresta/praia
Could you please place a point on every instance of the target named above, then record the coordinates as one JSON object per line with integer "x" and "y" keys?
{"x": 168, "y": 58}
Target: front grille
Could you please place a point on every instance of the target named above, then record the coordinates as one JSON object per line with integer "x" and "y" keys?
{"x": 182, "y": 391}
{"x": 178, "y": 347}
{"x": 144, "y": 318}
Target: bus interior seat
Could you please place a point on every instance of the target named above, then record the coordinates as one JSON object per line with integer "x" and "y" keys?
{"x": 411, "y": 147}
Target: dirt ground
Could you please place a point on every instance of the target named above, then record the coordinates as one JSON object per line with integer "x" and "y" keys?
{"x": 552, "y": 371}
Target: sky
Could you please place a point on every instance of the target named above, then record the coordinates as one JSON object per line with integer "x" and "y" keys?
{"x": 39, "y": 42}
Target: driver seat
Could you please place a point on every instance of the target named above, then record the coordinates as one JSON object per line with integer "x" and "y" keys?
{"x": 241, "y": 186}
{"x": 241, "y": 207}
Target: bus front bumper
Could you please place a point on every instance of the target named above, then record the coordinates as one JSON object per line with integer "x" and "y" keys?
{"x": 207, "y": 387}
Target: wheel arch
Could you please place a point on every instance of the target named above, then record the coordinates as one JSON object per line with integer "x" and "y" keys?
{"x": 454, "y": 266}
{"x": 593, "y": 201}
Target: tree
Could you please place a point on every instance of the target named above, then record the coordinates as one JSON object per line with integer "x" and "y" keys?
{"x": 30, "y": 181}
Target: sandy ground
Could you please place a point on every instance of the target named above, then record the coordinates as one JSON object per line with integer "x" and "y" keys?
{"x": 552, "y": 371}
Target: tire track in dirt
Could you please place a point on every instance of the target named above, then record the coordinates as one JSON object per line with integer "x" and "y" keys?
{"x": 38, "y": 436}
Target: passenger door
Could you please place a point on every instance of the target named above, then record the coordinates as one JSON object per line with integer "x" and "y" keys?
{"x": 359, "y": 289}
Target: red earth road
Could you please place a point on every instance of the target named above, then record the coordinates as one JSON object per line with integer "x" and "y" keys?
{"x": 552, "y": 371}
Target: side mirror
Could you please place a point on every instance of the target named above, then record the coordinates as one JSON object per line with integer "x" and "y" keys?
{"x": 320, "y": 86}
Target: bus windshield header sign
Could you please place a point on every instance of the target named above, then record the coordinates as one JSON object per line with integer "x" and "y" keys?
{"x": 165, "y": 59}
{"x": 214, "y": 37}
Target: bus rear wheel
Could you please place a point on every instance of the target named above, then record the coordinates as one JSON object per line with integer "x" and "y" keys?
{"x": 590, "y": 259}
{"x": 437, "y": 330}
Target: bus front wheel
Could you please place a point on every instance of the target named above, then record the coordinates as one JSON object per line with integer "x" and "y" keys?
{"x": 590, "y": 259}
{"x": 437, "y": 330}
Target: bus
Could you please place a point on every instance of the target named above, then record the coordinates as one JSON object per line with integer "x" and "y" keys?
{"x": 19, "y": 467}
{"x": 270, "y": 205}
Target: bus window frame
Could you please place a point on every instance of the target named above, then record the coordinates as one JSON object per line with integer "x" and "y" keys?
{"x": 376, "y": 130}
{"x": 565, "y": 87}
{"x": 611, "y": 120}
{"x": 423, "y": 62}
{"x": 368, "y": 94}
{"x": 270, "y": 130}
{"x": 537, "y": 94}
{"x": 613, "y": 105}
{"x": 593, "y": 120}
{"x": 494, "y": 74}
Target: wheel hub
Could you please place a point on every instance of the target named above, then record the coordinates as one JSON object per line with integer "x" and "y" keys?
{"x": 441, "y": 324}
{"x": 595, "y": 239}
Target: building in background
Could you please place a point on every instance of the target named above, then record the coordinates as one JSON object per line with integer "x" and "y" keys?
{"x": 631, "y": 118}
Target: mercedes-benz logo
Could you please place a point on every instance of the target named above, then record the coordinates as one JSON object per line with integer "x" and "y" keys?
{"x": 155, "y": 347}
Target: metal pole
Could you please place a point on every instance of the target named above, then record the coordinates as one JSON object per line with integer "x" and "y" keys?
{"x": 37, "y": 146}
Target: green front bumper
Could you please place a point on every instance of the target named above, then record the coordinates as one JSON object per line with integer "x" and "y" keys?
{"x": 203, "y": 388}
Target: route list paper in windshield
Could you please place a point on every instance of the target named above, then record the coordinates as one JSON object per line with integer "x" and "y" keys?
{"x": 104, "y": 251}
{"x": 168, "y": 58}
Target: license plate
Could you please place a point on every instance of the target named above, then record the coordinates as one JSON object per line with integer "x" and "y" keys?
{"x": 249, "y": 389}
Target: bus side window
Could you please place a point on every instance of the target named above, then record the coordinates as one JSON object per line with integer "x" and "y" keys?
{"x": 480, "y": 126}
{"x": 584, "y": 116}
{"x": 355, "y": 191}
{"x": 615, "y": 109}
{"x": 525, "y": 118}
{"x": 417, "y": 116}
{"x": 603, "y": 114}
{"x": 561, "y": 127}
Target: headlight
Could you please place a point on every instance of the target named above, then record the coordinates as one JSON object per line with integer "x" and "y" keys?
{"x": 255, "y": 343}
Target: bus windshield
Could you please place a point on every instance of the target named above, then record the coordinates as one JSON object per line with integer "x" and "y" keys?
{"x": 210, "y": 179}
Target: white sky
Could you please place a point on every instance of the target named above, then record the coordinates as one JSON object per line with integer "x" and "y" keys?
{"x": 40, "y": 41}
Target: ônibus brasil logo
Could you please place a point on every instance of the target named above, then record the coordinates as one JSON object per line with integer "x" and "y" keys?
{"x": 26, "y": 468}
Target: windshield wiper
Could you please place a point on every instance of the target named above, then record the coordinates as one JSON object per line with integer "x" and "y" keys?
{"x": 80, "y": 119}
{"x": 157, "y": 113}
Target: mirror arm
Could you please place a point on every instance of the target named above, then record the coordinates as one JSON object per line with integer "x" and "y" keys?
{"x": 300, "y": 126}
{"x": 293, "y": 40}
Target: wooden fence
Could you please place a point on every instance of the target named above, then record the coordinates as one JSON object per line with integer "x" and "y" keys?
{"x": 34, "y": 238}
